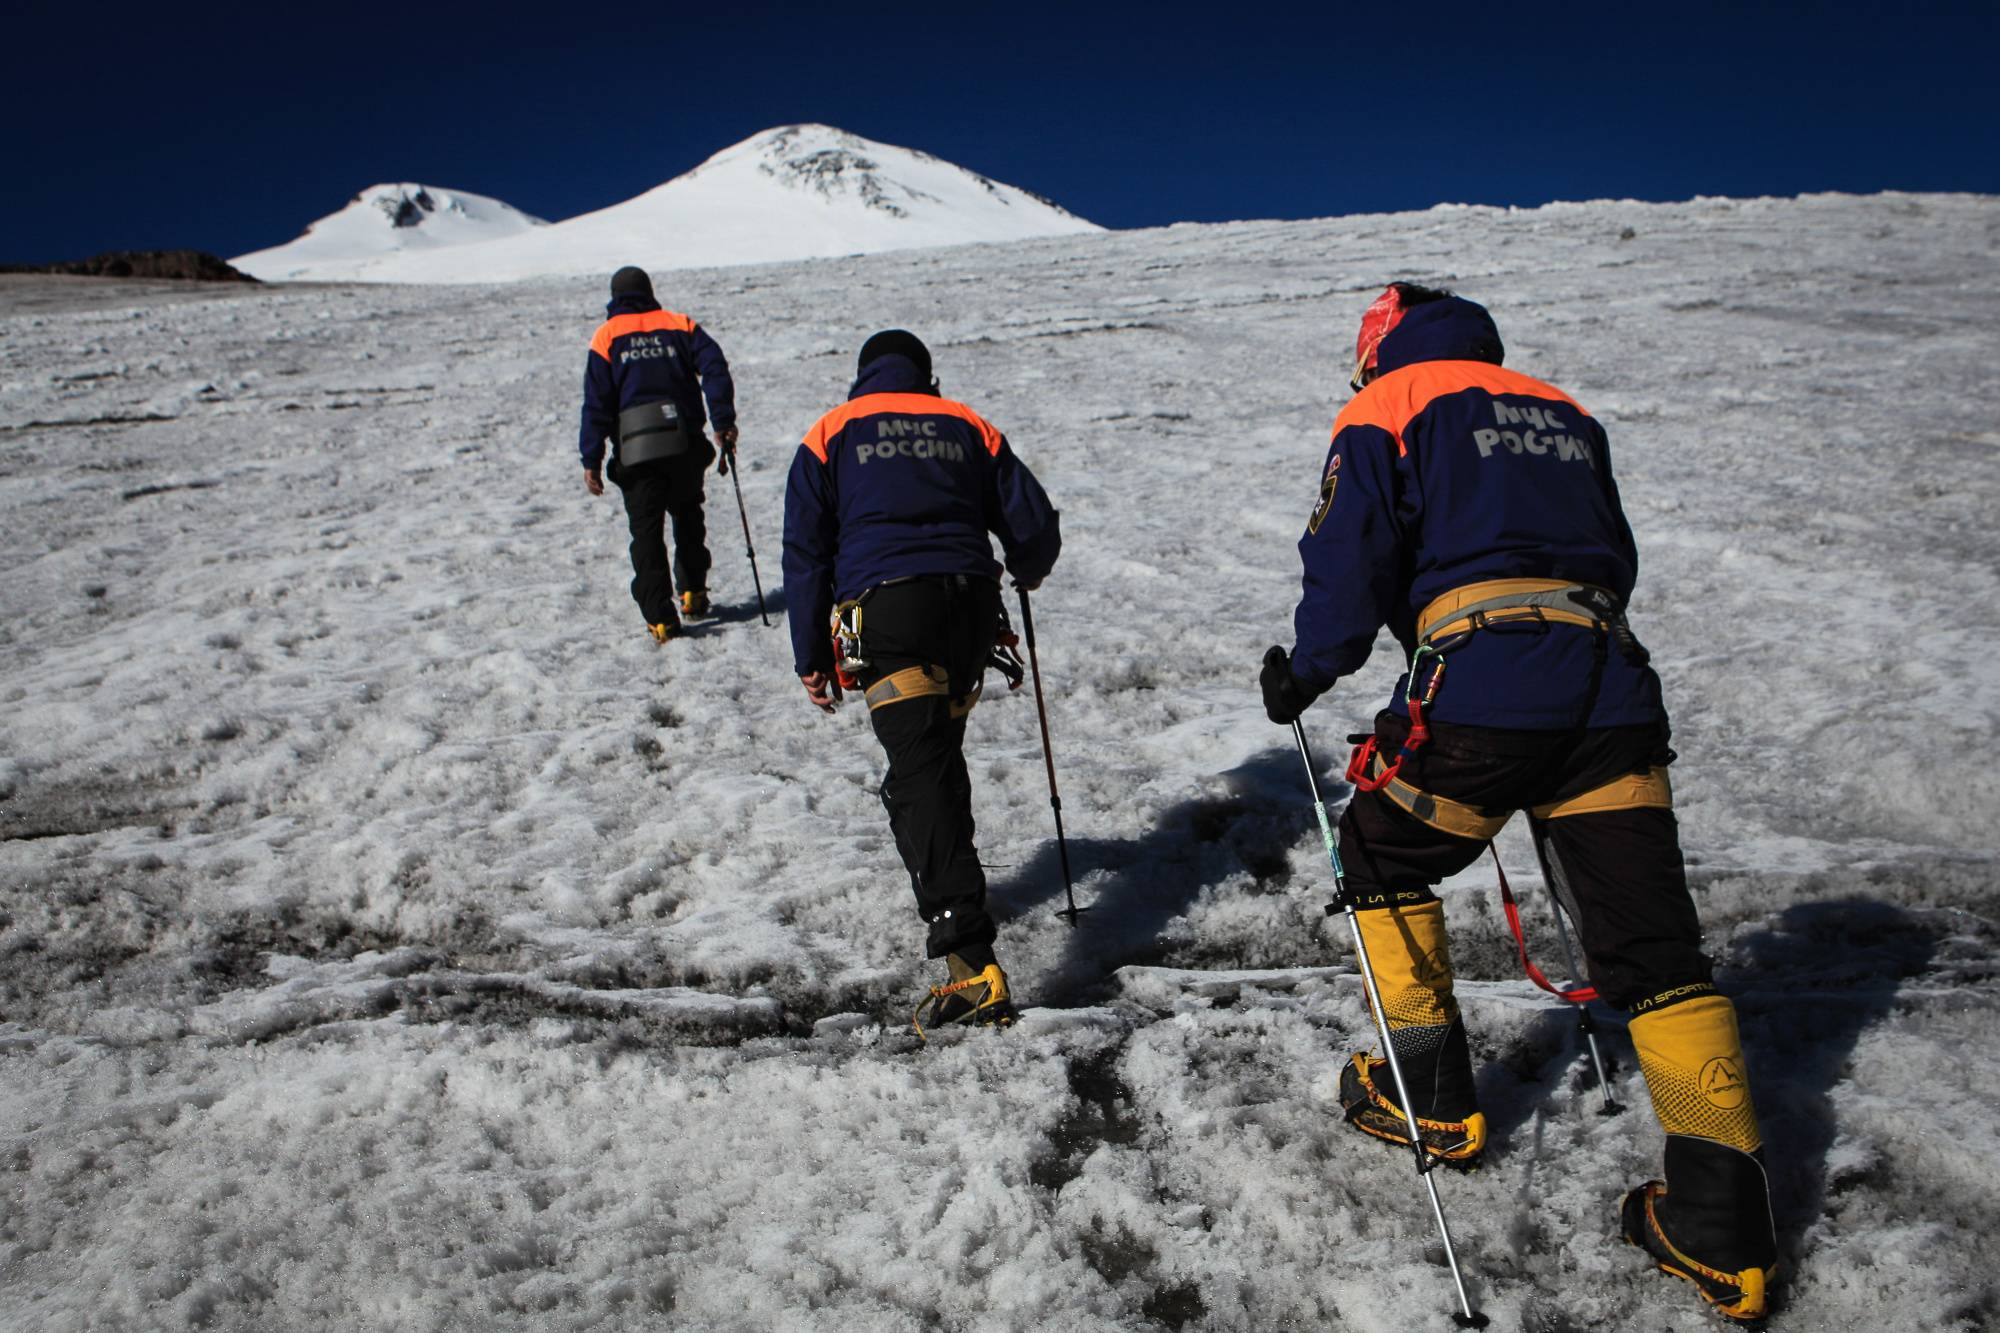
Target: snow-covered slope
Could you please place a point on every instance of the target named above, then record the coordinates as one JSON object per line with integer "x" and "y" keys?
{"x": 800, "y": 192}
{"x": 393, "y": 937}
{"x": 382, "y": 222}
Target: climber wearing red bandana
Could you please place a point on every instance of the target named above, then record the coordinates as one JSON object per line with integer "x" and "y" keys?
{"x": 1381, "y": 316}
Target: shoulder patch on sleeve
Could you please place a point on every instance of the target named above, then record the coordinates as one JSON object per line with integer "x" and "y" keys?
{"x": 1326, "y": 489}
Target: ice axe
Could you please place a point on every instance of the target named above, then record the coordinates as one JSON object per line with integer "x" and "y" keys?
{"x": 1072, "y": 912}
{"x": 1465, "y": 1316}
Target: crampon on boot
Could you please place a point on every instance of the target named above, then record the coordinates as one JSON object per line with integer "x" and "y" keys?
{"x": 670, "y": 629}
{"x": 1367, "y": 1095}
{"x": 694, "y": 604}
{"x": 1710, "y": 1220}
{"x": 974, "y": 997}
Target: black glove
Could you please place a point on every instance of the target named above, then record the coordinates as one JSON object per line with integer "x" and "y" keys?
{"x": 1284, "y": 697}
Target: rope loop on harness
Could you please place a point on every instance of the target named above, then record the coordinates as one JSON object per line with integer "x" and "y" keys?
{"x": 1575, "y": 994}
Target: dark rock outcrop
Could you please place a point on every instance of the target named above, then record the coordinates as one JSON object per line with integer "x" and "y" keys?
{"x": 196, "y": 265}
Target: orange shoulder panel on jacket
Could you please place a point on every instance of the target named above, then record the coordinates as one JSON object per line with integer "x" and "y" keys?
{"x": 987, "y": 430}
{"x": 880, "y": 404}
{"x": 649, "y": 321}
{"x": 1395, "y": 399}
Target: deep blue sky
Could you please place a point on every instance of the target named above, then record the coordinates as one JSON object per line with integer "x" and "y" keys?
{"x": 228, "y": 127}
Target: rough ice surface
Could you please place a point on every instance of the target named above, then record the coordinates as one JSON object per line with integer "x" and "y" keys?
{"x": 395, "y": 938}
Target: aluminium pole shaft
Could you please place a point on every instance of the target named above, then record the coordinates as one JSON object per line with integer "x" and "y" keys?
{"x": 1049, "y": 759}
{"x": 1468, "y": 1318}
{"x": 748, "y": 546}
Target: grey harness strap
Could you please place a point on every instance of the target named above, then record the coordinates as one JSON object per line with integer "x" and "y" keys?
{"x": 651, "y": 430}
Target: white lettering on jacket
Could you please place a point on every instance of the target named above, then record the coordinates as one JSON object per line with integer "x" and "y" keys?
{"x": 1567, "y": 447}
{"x": 925, "y": 445}
{"x": 645, "y": 347}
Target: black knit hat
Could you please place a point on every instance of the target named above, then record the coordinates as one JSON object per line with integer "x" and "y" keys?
{"x": 896, "y": 342}
{"x": 629, "y": 279}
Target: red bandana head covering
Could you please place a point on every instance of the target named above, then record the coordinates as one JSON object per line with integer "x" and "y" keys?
{"x": 1376, "y": 322}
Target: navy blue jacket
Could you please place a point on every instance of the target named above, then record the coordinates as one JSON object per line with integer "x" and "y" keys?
{"x": 643, "y": 354}
{"x": 898, "y": 482}
{"x": 1448, "y": 470}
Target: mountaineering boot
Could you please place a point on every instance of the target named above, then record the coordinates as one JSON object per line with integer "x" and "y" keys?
{"x": 670, "y": 629}
{"x": 1710, "y": 1220}
{"x": 974, "y": 997}
{"x": 1412, "y": 963}
{"x": 1452, "y": 1133}
{"x": 694, "y": 604}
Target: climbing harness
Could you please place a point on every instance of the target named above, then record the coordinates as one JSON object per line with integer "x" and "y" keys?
{"x": 849, "y": 661}
{"x": 1449, "y": 623}
{"x": 1477, "y": 606}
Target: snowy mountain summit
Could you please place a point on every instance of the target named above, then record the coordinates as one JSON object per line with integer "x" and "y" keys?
{"x": 383, "y": 221}
{"x": 798, "y": 192}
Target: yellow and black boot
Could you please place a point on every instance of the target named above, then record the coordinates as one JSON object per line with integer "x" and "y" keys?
{"x": 1709, "y": 1221}
{"x": 976, "y": 996}
{"x": 1412, "y": 964}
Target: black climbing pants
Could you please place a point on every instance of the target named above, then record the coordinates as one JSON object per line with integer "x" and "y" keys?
{"x": 1637, "y": 922}
{"x": 654, "y": 491}
{"x": 944, "y": 623}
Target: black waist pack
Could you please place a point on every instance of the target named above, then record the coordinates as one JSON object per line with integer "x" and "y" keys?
{"x": 651, "y": 430}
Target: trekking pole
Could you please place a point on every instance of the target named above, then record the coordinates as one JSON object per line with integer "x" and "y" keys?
{"x": 1552, "y": 876}
{"x": 750, "y": 549}
{"x": 1049, "y": 758}
{"x": 1468, "y": 1317}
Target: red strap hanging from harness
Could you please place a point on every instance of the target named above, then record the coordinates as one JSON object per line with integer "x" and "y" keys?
{"x": 1576, "y": 994}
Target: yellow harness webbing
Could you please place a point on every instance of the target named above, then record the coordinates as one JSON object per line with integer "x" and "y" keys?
{"x": 1441, "y": 812}
{"x": 917, "y": 682}
{"x": 1498, "y": 601}
{"x": 1627, "y": 791}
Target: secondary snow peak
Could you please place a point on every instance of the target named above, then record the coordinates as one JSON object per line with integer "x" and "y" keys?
{"x": 385, "y": 220}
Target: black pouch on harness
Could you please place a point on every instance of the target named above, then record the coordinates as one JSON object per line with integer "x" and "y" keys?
{"x": 650, "y": 431}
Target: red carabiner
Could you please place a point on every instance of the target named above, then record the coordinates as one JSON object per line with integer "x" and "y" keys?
{"x": 1420, "y": 735}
